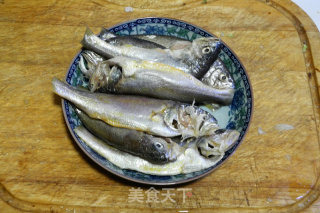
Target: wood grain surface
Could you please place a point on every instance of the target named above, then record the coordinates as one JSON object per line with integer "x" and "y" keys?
{"x": 43, "y": 170}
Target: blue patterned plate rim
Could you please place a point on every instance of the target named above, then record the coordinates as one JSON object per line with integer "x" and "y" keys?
{"x": 160, "y": 180}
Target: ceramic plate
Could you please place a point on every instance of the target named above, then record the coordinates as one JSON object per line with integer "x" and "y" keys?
{"x": 236, "y": 116}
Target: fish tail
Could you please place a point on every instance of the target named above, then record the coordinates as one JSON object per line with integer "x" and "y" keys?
{"x": 88, "y": 33}
{"x": 105, "y": 34}
{"x": 92, "y": 42}
{"x": 66, "y": 91}
{"x": 59, "y": 87}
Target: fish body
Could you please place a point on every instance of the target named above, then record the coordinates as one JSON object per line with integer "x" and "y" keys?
{"x": 164, "y": 42}
{"x": 133, "y": 41}
{"x": 130, "y": 112}
{"x": 188, "y": 161}
{"x": 156, "y": 150}
{"x": 164, "y": 118}
{"x": 217, "y": 75}
{"x": 105, "y": 49}
{"x": 157, "y": 80}
{"x": 192, "y": 57}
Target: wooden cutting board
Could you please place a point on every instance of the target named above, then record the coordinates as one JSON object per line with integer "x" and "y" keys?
{"x": 42, "y": 169}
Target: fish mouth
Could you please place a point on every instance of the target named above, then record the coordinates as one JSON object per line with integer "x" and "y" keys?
{"x": 220, "y": 142}
{"x": 190, "y": 121}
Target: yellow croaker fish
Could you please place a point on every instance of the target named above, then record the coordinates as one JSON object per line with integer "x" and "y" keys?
{"x": 188, "y": 161}
{"x": 153, "y": 79}
{"x": 164, "y": 118}
{"x": 159, "y": 78}
{"x": 191, "y": 57}
{"x": 158, "y": 150}
{"x": 154, "y": 149}
{"x": 217, "y": 76}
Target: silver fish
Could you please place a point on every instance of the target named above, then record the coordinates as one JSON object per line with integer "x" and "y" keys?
{"x": 134, "y": 41}
{"x": 217, "y": 76}
{"x": 164, "y": 118}
{"x": 193, "y": 57}
{"x": 153, "y": 149}
{"x": 164, "y": 42}
{"x": 188, "y": 161}
{"x": 155, "y": 79}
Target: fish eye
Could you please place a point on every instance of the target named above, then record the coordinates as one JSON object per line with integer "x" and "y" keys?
{"x": 159, "y": 145}
{"x": 206, "y": 50}
{"x": 223, "y": 77}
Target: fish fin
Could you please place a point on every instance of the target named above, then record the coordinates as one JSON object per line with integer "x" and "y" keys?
{"x": 180, "y": 45}
{"x": 77, "y": 110}
{"x": 232, "y": 139}
{"x": 105, "y": 34}
{"x": 122, "y": 61}
{"x": 88, "y": 33}
{"x": 118, "y": 60}
{"x": 82, "y": 66}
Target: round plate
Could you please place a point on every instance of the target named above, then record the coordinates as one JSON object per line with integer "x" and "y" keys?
{"x": 236, "y": 116}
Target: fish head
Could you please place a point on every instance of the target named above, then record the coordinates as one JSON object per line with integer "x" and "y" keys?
{"x": 218, "y": 76}
{"x": 91, "y": 58}
{"x": 205, "y": 47}
{"x": 162, "y": 150}
{"x": 218, "y": 143}
{"x": 99, "y": 77}
{"x": 190, "y": 121}
{"x": 88, "y": 62}
{"x": 104, "y": 77}
{"x": 204, "y": 52}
